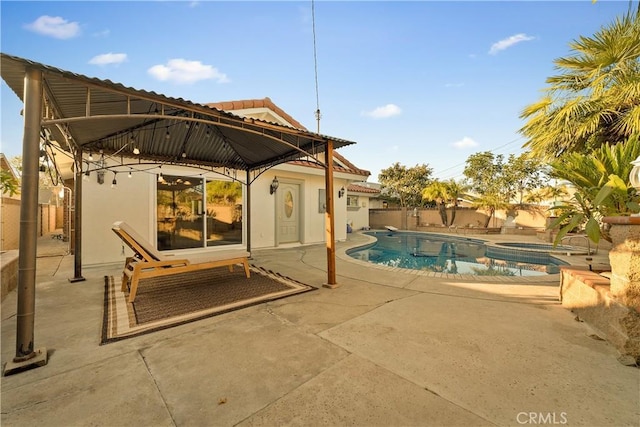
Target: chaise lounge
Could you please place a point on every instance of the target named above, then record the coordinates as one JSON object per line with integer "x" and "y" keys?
{"x": 149, "y": 262}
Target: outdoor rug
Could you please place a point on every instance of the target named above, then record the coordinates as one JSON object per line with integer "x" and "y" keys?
{"x": 168, "y": 301}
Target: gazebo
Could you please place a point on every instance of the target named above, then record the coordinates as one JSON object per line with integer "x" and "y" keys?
{"x": 81, "y": 114}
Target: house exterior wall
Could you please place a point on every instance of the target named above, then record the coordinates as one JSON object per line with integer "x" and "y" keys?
{"x": 263, "y": 219}
{"x": 358, "y": 217}
{"x": 133, "y": 200}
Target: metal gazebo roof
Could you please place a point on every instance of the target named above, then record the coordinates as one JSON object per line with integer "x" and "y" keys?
{"x": 84, "y": 114}
{"x": 91, "y": 114}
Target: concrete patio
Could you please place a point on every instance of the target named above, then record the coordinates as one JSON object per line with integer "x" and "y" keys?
{"x": 388, "y": 347}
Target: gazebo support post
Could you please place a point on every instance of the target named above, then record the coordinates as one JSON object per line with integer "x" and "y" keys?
{"x": 26, "y": 357}
{"x": 329, "y": 218}
{"x": 77, "y": 221}
{"x": 248, "y": 210}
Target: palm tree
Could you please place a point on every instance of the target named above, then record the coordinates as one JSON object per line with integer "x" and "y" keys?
{"x": 455, "y": 190}
{"x": 546, "y": 193}
{"x": 438, "y": 192}
{"x": 595, "y": 98}
{"x": 445, "y": 193}
{"x": 490, "y": 201}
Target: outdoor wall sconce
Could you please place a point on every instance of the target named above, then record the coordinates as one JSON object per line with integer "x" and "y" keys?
{"x": 341, "y": 193}
{"x": 274, "y": 185}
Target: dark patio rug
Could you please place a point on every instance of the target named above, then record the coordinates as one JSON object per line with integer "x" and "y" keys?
{"x": 168, "y": 301}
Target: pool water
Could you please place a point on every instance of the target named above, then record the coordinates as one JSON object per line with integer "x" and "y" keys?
{"x": 452, "y": 255}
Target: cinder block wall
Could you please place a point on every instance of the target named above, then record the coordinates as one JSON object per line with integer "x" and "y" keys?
{"x": 9, "y": 224}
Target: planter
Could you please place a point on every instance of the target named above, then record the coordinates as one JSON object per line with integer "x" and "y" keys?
{"x": 624, "y": 258}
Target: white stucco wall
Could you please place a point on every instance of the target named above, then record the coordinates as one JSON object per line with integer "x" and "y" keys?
{"x": 358, "y": 217}
{"x": 312, "y": 223}
{"x": 133, "y": 200}
{"x": 102, "y": 206}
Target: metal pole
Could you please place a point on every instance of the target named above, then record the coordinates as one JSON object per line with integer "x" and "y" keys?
{"x": 329, "y": 218}
{"x": 248, "y": 210}
{"x": 77, "y": 221}
{"x": 26, "y": 357}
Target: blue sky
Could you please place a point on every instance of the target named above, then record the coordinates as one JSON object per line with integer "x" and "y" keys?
{"x": 419, "y": 82}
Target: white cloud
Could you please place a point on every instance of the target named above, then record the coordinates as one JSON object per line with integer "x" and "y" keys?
{"x": 194, "y": 4}
{"x": 54, "y": 26}
{"x": 465, "y": 142}
{"x": 508, "y": 42}
{"x": 385, "y": 112}
{"x": 108, "y": 58}
{"x": 103, "y": 33}
{"x": 183, "y": 71}
{"x": 454, "y": 85}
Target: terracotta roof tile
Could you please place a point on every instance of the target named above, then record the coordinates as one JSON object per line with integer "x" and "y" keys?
{"x": 232, "y": 106}
{"x": 256, "y": 103}
{"x": 354, "y": 188}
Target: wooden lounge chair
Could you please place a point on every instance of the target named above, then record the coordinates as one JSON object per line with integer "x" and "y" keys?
{"x": 149, "y": 262}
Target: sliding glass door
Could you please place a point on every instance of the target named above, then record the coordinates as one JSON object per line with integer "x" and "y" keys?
{"x": 194, "y": 213}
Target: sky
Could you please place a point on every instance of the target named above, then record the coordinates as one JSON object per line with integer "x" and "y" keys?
{"x": 419, "y": 82}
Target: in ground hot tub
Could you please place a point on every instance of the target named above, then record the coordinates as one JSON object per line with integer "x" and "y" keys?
{"x": 541, "y": 252}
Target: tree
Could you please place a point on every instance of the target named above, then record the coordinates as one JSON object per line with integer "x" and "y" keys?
{"x": 497, "y": 183}
{"x": 456, "y": 190}
{"x": 595, "y": 98}
{"x": 8, "y": 184}
{"x": 445, "y": 193}
{"x": 601, "y": 181}
{"x": 522, "y": 175}
{"x": 438, "y": 192}
{"x": 490, "y": 174}
{"x": 484, "y": 171}
{"x": 491, "y": 201}
{"x": 405, "y": 184}
{"x": 547, "y": 192}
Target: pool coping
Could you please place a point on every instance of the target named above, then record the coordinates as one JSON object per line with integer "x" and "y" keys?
{"x": 540, "y": 279}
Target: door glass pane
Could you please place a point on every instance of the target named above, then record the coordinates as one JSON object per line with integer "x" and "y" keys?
{"x": 224, "y": 213}
{"x": 180, "y": 213}
{"x": 288, "y": 204}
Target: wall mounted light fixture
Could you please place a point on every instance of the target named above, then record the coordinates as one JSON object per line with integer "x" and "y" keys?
{"x": 341, "y": 192}
{"x": 274, "y": 185}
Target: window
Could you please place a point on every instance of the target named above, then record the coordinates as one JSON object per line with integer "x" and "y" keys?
{"x": 352, "y": 202}
{"x": 194, "y": 213}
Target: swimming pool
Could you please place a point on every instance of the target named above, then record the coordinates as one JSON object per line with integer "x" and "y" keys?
{"x": 452, "y": 255}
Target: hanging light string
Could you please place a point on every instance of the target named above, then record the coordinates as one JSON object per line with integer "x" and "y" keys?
{"x": 315, "y": 61}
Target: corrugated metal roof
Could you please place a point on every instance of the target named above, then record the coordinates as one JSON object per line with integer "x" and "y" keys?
{"x": 163, "y": 129}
